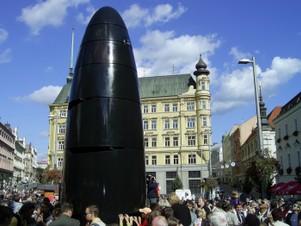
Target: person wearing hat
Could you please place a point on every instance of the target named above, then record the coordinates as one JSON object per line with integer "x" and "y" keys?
{"x": 263, "y": 212}
{"x": 294, "y": 218}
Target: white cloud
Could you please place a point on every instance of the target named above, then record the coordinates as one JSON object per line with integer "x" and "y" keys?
{"x": 3, "y": 35}
{"x": 5, "y": 56}
{"x": 85, "y": 19}
{"x": 47, "y": 13}
{"x": 238, "y": 55}
{"x": 237, "y": 88}
{"x": 160, "y": 53}
{"x": 138, "y": 16}
{"x": 45, "y": 95}
{"x": 49, "y": 69}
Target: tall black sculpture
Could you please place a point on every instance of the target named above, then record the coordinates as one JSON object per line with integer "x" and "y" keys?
{"x": 104, "y": 156}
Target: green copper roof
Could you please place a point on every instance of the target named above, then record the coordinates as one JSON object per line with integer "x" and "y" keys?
{"x": 156, "y": 86}
{"x": 62, "y": 98}
{"x": 164, "y": 86}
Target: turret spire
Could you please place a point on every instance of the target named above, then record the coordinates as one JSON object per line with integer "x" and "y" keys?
{"x": 70, "y": 75}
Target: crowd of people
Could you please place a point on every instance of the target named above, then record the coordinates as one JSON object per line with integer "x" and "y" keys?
{"x": 33, "y": 210}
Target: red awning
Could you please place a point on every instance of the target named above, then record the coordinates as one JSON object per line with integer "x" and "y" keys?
{"x": 293, "y": 189}
{"x": 289, "y": 188}
{"x": 277, "y": 187}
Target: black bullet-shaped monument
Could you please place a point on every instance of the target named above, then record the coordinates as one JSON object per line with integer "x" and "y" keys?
{"x": 104, "y": 153}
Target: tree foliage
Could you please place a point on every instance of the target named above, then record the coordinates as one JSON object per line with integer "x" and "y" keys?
{"x": 247, "y": 185}
{"x": 211, "y": 183}
{"x": 177, "y": 183}
{"x": 50, "y": 176}
{"x": 262, "y": 170}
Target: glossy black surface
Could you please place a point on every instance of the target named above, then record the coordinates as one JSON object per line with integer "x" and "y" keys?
{"x": 104, "y": 156}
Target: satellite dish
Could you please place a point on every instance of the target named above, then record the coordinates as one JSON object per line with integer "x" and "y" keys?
{"x": 232, "y": 164}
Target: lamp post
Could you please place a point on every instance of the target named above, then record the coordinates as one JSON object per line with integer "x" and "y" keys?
{"x": 54, "y": 154}
{"x": 247, "y": 61}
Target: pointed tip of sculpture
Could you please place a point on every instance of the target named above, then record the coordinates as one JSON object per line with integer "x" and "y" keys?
{"x": 107, "y": 14}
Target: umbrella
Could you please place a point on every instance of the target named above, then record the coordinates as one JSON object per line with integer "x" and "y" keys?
{"x": 277, "y": 187}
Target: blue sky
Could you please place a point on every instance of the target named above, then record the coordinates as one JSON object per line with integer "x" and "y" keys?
{"x": 167, "y": 36}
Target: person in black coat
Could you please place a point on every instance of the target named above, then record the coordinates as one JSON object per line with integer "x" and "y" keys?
{"x": 181, "y": 211}
{"x": 65, "y": 218}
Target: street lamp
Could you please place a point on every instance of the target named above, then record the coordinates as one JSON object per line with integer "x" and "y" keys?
{"x": 54, "y": 153}
{"x": 247, "y": 61}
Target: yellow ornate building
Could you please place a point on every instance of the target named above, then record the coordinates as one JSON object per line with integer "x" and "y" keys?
{"x": 176, "y": 121}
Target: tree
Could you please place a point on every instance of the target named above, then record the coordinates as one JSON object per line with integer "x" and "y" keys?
{"x": 50, "y": 176}
{"x": 211, "y": 184}
{"x": 39, "y": 172}
{"x": 247, "y": 185}
{"x": 262, "y": 171}
{"x": 177, "y": 183}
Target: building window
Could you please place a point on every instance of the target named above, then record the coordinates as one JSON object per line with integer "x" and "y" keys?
{"x": 175, "y": 141}
{"x": 296, "y": 124}
{"x": 191, "y": 140}
{"x": 154, "y": 141}
{"x": 289, "y": 160}
{"x": 190, "y": 123}
{"x": 175, "y": 123}
{"x": 145, "y": 124}
{"x": 205, "y": 138}
{"x": 170, "y": 176}
{"x": 167, "y": 141}
{"x": 166, "y": 124}
{"x": 204, "y": 104}
{"x": 154, "y": 108}
{"x": 154, "y": 160}
{"x": 190, "y": 106}
{"x": 60, "y": 162}
{"x": 204, "y": 121}
{"x": 176, "y": 159}
{"x": 154, "y": 124}
{"x": 146, "y": 142}
{"x": 194, "y": 174}
{"x": 279, "y": 133}
{"x": 61, "y": 145}
{"x": 174, "y": 107}
{"x": 191, "y": 159}
{"x": 194, "y": 186}
{"x": 286, "y": 129}
{"x": 145, "y": 108}
{"x": 63, "y": 113}
{"x": 166, "y": 107}
{"x": 203, "y": 86}
{"x": 167, "y": 159}
{"x": 146, "y": 160}
{"x": 62, "y": 129}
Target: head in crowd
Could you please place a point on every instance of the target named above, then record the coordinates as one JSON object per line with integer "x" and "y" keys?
{"x": 173, "y": 198}
{"x": 92, "y": 212}
{"x": 6, "y": 214}
{"x": 26, "y": 210}
{"x": 218, "y": 218}
{"x": 263, "y": 206}
{"x": 201, "y": 213}
{"x": 172, "y": 221}
{"x": 167, "y": 212}
{"x": 189, "y": 204}
{"x": 159, "y": 221}
{"x": 67, "y": 209}
{"x": 201, "y": 202}
{"x": 277, "y": 214}
{"x": 251, "y": 220}
{"x": 296, "y": 207}
{"x": 151, "y": 216}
